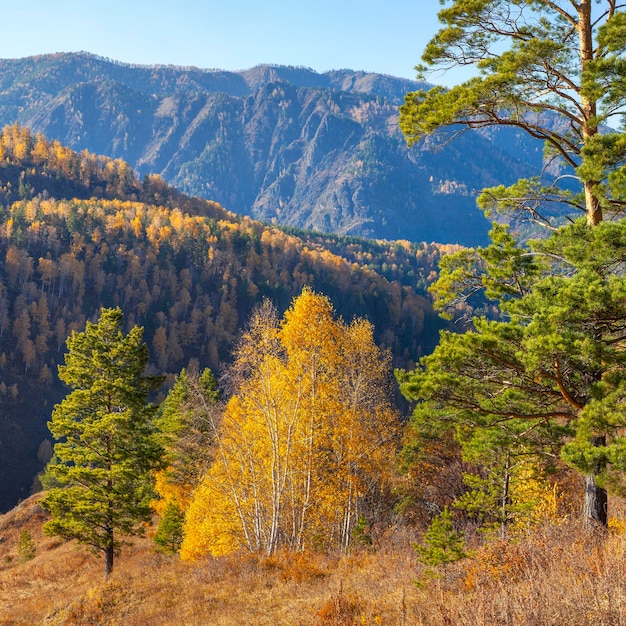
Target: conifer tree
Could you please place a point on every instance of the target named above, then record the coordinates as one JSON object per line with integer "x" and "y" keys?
{"x": 169, "y": 534}
{"x": 442, "y": 544}
{"x": 549, "y": 380}
{"x": 106, "y": 448}
{"x": 186, "y": 423}
{"x": 554, "y": 70}
{"x": 26, "y": 548}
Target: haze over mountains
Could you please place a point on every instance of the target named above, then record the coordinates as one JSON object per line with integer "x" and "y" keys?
{"x": 281, "y": 144}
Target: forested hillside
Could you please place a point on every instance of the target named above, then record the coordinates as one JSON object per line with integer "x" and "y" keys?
{"x": 78, "y": 232}
{"x": 282, "y": 484}
{"x": 280, "y": 144}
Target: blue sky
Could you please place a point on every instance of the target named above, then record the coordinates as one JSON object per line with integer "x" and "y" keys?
{"x": 378, "y": 36}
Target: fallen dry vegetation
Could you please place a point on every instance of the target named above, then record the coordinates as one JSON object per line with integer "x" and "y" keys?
{"x": 557, "y": 574}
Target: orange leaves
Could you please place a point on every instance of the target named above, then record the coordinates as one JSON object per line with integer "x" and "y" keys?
{"x": 306, "y": 442}
{"x": 497, "y": 561}
{"x": 210, "y": 524}
{"x": 169, "y": 491}
{"x": 309, "y": 328}
{"x": 18, "y": 264}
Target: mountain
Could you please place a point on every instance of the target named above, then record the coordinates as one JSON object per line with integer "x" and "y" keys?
{"x": 80, "y": 231}
{"x": 285, "y": 145}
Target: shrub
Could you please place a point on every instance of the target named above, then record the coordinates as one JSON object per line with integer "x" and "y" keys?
{"x": 26, "y": 547}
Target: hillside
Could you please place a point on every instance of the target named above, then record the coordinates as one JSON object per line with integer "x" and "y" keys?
{"x": 543, "y": 577}
{"x": 78, "y": 232}
{"x": 280, "y": 144}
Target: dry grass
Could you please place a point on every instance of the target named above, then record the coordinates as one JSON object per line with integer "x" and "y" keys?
{"x": 557, "y": 575}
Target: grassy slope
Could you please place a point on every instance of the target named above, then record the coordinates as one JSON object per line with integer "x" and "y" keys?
{"x": 558, "y": 574}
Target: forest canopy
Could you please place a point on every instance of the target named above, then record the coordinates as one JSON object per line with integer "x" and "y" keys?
{"x": 186, "y": 270}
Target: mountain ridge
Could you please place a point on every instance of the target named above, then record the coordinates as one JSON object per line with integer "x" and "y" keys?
{"x": 282, "y": 144}
{"x": 86, "y": 65}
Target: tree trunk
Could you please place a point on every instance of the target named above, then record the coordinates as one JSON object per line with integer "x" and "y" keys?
{"x": 505, "y": 501}
{"x": 593, "y": 209}
{"x": 596, "y": 499}
{"x": 108, "y": 554}
{"x": 108, "y": 561}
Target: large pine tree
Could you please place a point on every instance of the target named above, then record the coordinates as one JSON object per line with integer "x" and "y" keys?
{"x": 554, "y": 369}
{"x": 101, "y": 477}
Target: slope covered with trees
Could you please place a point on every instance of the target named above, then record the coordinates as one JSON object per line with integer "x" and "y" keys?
{"x": 287, "y": 479}
{"x": 319, "y": 151}
{"x": 185, "y": 269}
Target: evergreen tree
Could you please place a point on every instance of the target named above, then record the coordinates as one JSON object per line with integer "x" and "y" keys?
{"x": 107, "y": 448}
{"x": 552, "y": 69}
{"x": 169, "y": 534}
{"x": 442, "y": 545}
{"x": 549, "y": 380}
{"x": 556, "y": 71}
{"x": 26, "y": 547}
{"x": 186, "y": 421}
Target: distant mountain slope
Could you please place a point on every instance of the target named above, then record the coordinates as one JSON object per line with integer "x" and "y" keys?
{"x": 281, "y": 144}
{"x": 79, "y": 231}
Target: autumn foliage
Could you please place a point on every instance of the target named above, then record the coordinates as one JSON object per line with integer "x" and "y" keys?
{"x": 307, "y": 441}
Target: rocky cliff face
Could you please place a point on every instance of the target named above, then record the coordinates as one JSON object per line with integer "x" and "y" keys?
{"x": 281, "y": 144}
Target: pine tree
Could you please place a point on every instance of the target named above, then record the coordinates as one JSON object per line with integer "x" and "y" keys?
{"x": 169, "y": 534}
{"x": 442, "y": 544}
{"x": 26, "y": 547}
{"x": 186, "y": 421}
{"x": 552, "y": 378}
{"x": 106, "y": 446}
{"x": 554, "y": 70}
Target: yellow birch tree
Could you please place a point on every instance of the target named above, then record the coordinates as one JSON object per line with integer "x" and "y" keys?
{"x": 307, "y": 441}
